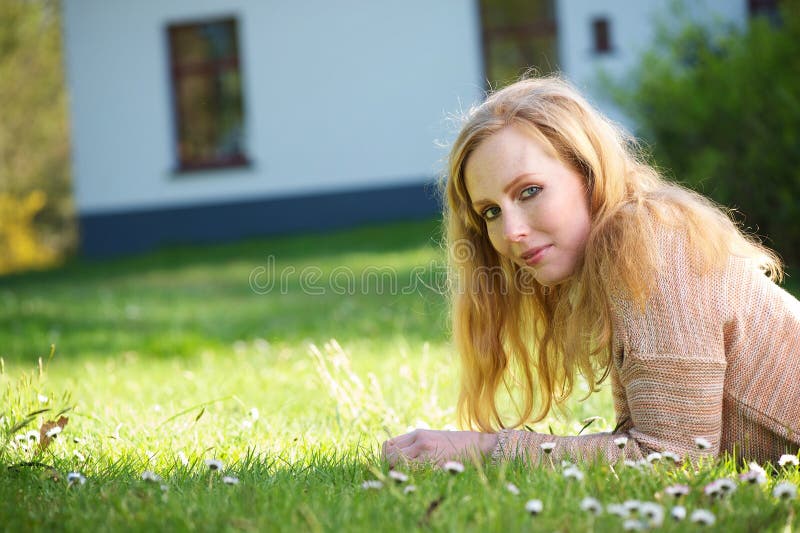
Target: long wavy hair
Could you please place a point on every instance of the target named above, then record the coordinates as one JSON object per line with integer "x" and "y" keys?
{"x": 532, "y": 341}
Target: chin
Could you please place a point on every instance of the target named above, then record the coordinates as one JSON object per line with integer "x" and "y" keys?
{"x": 552, "y": 280}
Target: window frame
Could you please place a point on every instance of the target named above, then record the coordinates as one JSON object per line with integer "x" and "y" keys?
{"x": 210, "y": 68}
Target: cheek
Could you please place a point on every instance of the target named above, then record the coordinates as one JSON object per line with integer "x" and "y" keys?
{"x": 580, "y": 235}
{"x": 496, "y": 239}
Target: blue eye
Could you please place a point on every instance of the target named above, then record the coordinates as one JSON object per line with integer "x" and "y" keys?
{"x": 528, "y": 192}
{"x": 491, "y": 213}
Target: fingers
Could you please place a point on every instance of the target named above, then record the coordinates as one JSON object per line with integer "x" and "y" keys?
{"x": 400, "y": 449}
{"x": 421, "y": 449}
{"x": 401, "y": 441}
{"x": 425, "y": 446}
{"x": 395, "y": 456}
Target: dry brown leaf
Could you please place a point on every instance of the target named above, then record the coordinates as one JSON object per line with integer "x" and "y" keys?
{"x": 44, "y": 439}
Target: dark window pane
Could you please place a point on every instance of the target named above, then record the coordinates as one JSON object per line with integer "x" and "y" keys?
{"x": 511, "y": 57}
{"x": 602, "y": 35}
{"x": 518, "y": 35}
{"x": 768, "y": 9}
{"x": 501, "y": 13}
{"x": 207, "y": 87}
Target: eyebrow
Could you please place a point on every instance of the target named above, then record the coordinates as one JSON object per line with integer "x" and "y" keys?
{"x": 478, "y": 204}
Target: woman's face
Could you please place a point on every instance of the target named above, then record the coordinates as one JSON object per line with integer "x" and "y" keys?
{"x": 535, "y": 207}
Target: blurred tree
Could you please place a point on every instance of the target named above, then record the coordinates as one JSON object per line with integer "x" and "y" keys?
{"x": 720, "y": 108}
{"x": 34, "y": 139}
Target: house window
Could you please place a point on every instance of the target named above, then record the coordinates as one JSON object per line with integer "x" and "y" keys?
{"x": 601, "y": 32}
{"x": 518, "y": 35}
{"x": 207, "y": 94}
{"x": 765, "y": 8}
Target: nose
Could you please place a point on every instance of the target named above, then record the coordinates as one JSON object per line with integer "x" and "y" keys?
{"x": 515, "y": 227}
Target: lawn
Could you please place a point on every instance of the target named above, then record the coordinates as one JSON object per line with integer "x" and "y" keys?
{"x": 288, "y": 361}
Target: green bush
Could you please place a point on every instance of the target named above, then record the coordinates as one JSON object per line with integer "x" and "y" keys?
{"x": 720, "y": 108}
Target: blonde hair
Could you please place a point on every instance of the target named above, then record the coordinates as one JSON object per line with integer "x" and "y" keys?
{"x": 531, "y": 340}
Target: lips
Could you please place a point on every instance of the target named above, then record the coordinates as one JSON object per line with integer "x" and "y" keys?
{"x": 534, "y": 255}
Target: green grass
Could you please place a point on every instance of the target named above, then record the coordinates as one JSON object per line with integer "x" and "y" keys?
{"x": 167, "y": 353}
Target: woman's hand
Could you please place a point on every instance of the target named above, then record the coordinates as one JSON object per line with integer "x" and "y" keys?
{"x": 427, "y": 445}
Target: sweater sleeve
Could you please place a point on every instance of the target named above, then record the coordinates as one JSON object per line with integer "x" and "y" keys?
{"x": 667, "y": 378}
{"x": 526, "y": 444}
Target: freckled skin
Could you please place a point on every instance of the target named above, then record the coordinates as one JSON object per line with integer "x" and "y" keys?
{"x": 529, "y": 200}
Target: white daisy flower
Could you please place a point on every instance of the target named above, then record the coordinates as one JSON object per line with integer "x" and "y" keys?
{"x": 677, "y": 490}
{"x": 754, "y": 477}
{"x": 42, "y": 398}
{"x": 573, "y": 472}
{"x": 75, "y": 478}
{"x": 726, "y": 486}
{"x": 150, "y": 476}
{"x": 230, "y": 480}
{"x": 78, "y": 455}
{"x": 372, "y": 484}
{"x": 182, "y": 458}
{"x": 618, "y": 509}
{"x": 398, "y": 476}
{"x": 630, "y": 463}
{"x": 510, "y": 487}
{"x": 253, "y": 413}
{"x": 53, "y": 432}
{"x": 547, "y": 447}
{"x": 632, "y": 524}
{"x": 653, "y": 512}
{"x": 246, "y": 424}
{"x": 591, "y": 505}
{"x": 214, "y": 465}
{"x": 632, "y": 505}
{"x": 620, "y": 442}
{"x": 672, "y": 456}
{"x": 533, "y": 507}
{"x": 653, "y": 457}
{"x": 785, "y": 490}
{"x": 702, "y": 443}
{"x": 678, "y": 513}
{"x": 703, "y": 517}
{"x": 32, "y": 435}
{"x": 454, "y": 467}
{"x": 787, "y": 459}
{"x": 712, "y": 489}
{"x": 164, "y": 487}
{"x": 409, "y": 488}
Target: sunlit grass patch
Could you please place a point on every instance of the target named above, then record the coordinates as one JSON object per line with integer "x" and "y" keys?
{"x": 166, "y": 366}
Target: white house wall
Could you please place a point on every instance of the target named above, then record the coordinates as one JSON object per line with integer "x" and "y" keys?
{"x": 338, "y": 95}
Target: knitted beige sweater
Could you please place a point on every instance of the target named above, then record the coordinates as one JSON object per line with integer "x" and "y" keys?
{"x": 714, "y": 356}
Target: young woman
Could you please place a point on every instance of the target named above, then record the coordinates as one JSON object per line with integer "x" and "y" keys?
{"x": 572, "y": 256}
